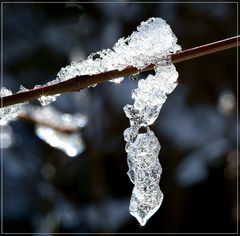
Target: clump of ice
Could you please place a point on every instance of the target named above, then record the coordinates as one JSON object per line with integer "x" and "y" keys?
{"x": 22, "y": 89}
{"x": 148, "y": 45}
{"x": 10, "y": 112}
{"x": 143, "y": 148}
{"x": 118, "y": 80}
{"x": 45, "y": 99}
{"x": 151, "y": 44}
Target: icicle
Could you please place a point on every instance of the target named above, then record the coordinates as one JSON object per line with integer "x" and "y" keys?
{"x": 143, "y": 148}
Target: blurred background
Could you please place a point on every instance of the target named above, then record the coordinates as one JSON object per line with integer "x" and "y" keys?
{"x": 50, "y": 190}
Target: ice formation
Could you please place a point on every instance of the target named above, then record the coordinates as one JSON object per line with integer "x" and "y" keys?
{"x": 10, "y": 112}
{"x": 143, "y": 148}
{"x": 142, "y": 145}
{"x": 46, "y": 100}
{"x": 72, "y": 144}
{"x": 148, "y": 45}
{"x": 152, "y": 43}
{"x": 143, "y": 47}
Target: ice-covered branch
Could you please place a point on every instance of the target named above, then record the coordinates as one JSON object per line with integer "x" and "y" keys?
{"x": 67, "y": 124}
{"x": 152, "y": 46}
{"x": 59, "y": 130}
{"x": 84, "y": 81}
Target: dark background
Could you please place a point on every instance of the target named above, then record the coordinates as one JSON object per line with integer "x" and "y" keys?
{"x": 44, "y": 190}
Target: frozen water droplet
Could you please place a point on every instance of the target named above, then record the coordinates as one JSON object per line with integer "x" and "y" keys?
{"x": 117, "y": 81}
{"x": 92, "y": 86}
{"x": 22, "y": 89}
{"x": 144, "y": 203}
{"x": 46, "y": 100}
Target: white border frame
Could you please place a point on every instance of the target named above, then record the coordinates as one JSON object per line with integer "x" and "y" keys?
{"x": 2, "y": 4}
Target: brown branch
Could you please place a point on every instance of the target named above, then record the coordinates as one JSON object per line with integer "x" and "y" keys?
{"x": 31, "y": 119}
{"x": 80, "y": 82}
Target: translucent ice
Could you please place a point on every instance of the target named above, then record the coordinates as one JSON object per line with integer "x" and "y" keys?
{"x": 22, "y": 89}
{"x": 143, "y": 148}
{"x": 117, "y": 81}
{"x": 152, "y": 42}
{"x": 10, "y": 112}
{"x": 144, "y": 203}
{"x": 46, "y": 100}
{"x": 144, "y": 171}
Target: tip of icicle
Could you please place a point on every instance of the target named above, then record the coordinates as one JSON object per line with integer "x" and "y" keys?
{"x": 141, "y": 220}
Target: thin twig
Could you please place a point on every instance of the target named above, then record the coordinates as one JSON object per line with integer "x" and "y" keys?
{"x": 29, "y": 118}
{"x": 80, "y": 82}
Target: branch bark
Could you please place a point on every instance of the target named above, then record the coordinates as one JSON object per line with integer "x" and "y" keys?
{"x": 80, "y": 82}
{"x": 31, "y": 119}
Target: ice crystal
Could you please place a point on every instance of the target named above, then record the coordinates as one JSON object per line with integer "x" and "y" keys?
{"x": 142, "y": 149}
{"x": 22, "y": 89}
{"x": 45, "y": 99}
{"x": 10, "y": 112}
{"x": 148, "y": 45}
{"x": 117, "y": 81}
